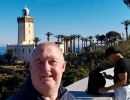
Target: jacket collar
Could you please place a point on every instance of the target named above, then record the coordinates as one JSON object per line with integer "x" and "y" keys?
{"x": 29, "y": 88}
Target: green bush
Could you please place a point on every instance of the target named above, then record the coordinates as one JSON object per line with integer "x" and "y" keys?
{"x": 10, "y": 85}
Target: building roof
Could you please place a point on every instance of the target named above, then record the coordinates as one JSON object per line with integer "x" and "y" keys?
{"x": 25, "y": 11}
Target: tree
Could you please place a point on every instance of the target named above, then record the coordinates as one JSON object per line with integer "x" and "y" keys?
{"x": 58, "y": 38}
{"x": 78, "y": 36}
{"x": 102, "y": 38}
{"x": 10, "y": 85}
{"x": 71, "y": 38}
{"x": 90, "y": 39}
{"x": 67, "y": 39}
{"x": 63, "y": 37}
{"x": 85, "y": 42}
{"x": 112, "y": 37}
{"x": 74, "y": 37}
{"x": 126, "y": 23}
{"x": 97, "y": 38}
{"x": 48, "y": 34}
{"x": 36, "y": 40}
{"x": 127, "y": 2}
{"x": 15, "y": 59}
{"x": 82, "y": 39}
{"x": 9, "y": 55}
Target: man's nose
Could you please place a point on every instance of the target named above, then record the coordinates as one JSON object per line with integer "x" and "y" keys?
{"x": 46, "y": 66}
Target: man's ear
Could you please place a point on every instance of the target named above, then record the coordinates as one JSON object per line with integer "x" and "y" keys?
{"x": 64, "y": 66}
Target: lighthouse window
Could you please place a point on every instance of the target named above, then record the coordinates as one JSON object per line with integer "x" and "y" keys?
{"x": 23, "y": 50}
{"x": 29, "y": 50}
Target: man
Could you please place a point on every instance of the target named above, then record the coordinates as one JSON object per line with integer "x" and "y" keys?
{"x": 46, "y": 68}
{"x": 121, "y": 75}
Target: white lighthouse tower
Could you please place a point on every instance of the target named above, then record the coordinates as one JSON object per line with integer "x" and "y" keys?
{"x": 25, "y": 45}
{"x": 25, "y": 28}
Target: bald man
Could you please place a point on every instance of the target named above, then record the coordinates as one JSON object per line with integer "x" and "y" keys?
{"x": 46, "y": 68}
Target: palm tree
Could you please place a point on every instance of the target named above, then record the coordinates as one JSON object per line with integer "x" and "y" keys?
{"x": 74, "y": 38}
{"x": 36, "y": 40}
{"x": 58, "y": 38}
{"x": 90, "y": 39}
{"x": 63, "y": 37}
{"x": 71, "y": 38}
{"x": 97, "y": 38}
{"x": 67, "y": 38}
{"x": 126, "y": 23}
{"x": 82, "y": 39}
{"x": 127, "y": 2}
{"x": 48, "y": 34}
{"x": 84, "y": 45}
{"x": 86, "y": 42}
{"x": 78, "y": 36}
{"x": 102, "y": 38}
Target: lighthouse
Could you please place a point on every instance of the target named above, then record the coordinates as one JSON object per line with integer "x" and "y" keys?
{"x": 25, "y": 28}
{"x": 25, "y": 46}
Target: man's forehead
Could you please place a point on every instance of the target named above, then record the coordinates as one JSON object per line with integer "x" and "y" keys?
{"x": 50, "y": 51}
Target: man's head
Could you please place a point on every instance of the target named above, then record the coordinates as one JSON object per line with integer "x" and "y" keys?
{"x": 110, "y": 54}
{"x": 46, "y": 67}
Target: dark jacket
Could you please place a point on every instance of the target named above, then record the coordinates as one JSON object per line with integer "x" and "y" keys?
{"x": 28, "y": 92}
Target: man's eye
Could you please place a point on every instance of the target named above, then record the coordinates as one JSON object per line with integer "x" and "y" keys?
{"x": 53, "y": 62}
{"x": 40, "y": 62}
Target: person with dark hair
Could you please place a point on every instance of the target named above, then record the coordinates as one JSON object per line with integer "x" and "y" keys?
{"x": 121, "y": 75}
{"x": 46, "y": 69}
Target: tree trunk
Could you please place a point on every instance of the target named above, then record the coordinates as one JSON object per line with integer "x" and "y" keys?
{"x": 126, "y": 28}
{"x": 78, "y": 45}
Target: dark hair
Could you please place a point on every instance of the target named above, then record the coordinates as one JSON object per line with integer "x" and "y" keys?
{"x": 111, "y": 50}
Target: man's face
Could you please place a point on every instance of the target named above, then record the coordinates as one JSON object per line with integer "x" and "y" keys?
{"x": 111, "y": 58}
{"x": 47, "y": 68}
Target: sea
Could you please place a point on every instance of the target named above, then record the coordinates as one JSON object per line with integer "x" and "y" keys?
{"x": 3, "y": 50}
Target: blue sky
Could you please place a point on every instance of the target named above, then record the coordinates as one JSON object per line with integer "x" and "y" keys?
{"x": 84, "y": 17}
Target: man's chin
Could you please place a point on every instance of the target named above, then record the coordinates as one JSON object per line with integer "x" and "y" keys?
{"x": 47, "y": 83}
{"x": 50, "y": 84}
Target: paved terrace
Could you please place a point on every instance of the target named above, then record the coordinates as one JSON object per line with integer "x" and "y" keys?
{"x": 78, "y": 89}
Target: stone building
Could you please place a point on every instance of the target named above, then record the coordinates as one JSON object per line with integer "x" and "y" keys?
{"x": 25, "y": 45}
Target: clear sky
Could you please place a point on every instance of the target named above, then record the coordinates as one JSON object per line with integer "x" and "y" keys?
{"x": 84, "y": 17}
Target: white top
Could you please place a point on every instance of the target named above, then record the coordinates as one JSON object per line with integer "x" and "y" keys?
{"x": 26, "y": 11}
